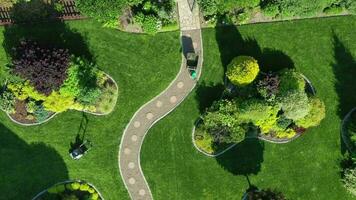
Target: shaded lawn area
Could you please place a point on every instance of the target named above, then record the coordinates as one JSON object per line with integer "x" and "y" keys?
{"x": 307, "y": 168}
{"x": 34, "y": 158}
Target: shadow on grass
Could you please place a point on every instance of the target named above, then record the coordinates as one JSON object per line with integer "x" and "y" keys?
{"x": 244, "y": 159}
{"x": 80, "y": 137}
{"x": 207, "y": 93}
{"x": 345, "y": 71}
{"x": 232, "y": 44}
{"x": 26, "y": 169}
{"x": 41, "y": 25}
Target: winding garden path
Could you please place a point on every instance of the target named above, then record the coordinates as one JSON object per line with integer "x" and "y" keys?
{"x": 160, "y": 106}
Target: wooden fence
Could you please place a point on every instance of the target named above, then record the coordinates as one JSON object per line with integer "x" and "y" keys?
{"x": 69, "y": 13}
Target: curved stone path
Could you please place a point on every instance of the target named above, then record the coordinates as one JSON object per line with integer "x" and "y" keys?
{"x": 160, "y": 106}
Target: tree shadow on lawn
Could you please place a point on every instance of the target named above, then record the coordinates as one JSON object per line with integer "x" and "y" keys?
{"x": 244, "y": 159}
{"x": 207, "y": 93}
{"x": 232, "y": 44}
{"x": 47, "y": 30}
{"x": 345, "y": 84}
{"x": 27, "y": 169}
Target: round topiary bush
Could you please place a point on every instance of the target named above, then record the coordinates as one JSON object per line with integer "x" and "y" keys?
{"x": 242, "y": 70}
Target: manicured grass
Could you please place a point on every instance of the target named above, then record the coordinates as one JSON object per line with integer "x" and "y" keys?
{"x": 307, "y": 168}
{"x": 34, "y": 158}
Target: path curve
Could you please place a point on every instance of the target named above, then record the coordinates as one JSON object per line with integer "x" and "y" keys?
{"x": 160, "y": 106}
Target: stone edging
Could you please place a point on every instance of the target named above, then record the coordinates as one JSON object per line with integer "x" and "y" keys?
{"x": 53, "y": 115}
{"x": 68, "y": 181}
{"x": 278, "y": 140}
{"x": 182, "y": 70}
{"x": 344, "y": 136}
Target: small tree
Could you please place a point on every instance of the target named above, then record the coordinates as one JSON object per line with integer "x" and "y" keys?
{"x": 242, "y": 70}
{"x": 290, "y": 80}
{"x": 315, "y": 115}
{"x": 349, "y": 180}
{"x": 295, "y": 104}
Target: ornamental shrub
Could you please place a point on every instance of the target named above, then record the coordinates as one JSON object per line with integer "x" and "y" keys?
{"x": 31, "y": 106}
{"x": 220, "y": 121}
{"x": 315, "y": 115}
{"x": 290, "y": 80}
{"x": 7, "y": 101}
{"x": 214, "y": 8}
{"x": 44, "y": 67}
{"x": 89, "y": 96}
{"x": 253, "y": 110}
{"x": 268, "y": 87}
{"x": 82, "y": 82}
{"x": 295, "y": 105}
{"x": 103, "y": 10}
{"x": 287, "y": 133}
{"x": 40, "y": 113}
{"x": 204, "y": 140}
{"x": 71, "y": 86}
{"x": 75, "y": 185}
{"x": 91, "y": 190}
{"x": 242, "y": 70}
{"x": 149, "y": 23}
{"x": 94, "y": 196}
{"x": 349, "y": 180}
{"x": 23, "y": 90}
{"x": 57, "y": 102}
{"x": 107, "y": 99}
{"x": 84, "y": 187}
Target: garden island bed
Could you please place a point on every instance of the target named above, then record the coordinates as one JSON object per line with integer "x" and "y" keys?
{"x": 43, "y": 81}
{"x": 71, "y": 190}
{"x": 275, "y": 106}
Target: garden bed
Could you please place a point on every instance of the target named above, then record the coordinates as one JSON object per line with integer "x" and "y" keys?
{"x": 23, "y": 117}
{"x": 44, "y": 80}
{"x": 277, "y": 107}
{"x": 74, "y": 190}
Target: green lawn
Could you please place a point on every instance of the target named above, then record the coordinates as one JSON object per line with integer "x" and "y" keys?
{"x": 34, "y": 158}
{"x": 308, "y": 168}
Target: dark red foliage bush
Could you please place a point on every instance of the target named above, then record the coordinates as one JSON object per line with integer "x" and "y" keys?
{"x": 269, "y": 85}
{"x": 299, "y": 130}
{"x": 44, "y": 67}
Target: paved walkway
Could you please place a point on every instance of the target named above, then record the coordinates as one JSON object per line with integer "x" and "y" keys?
{"x": 160, "y": 106}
